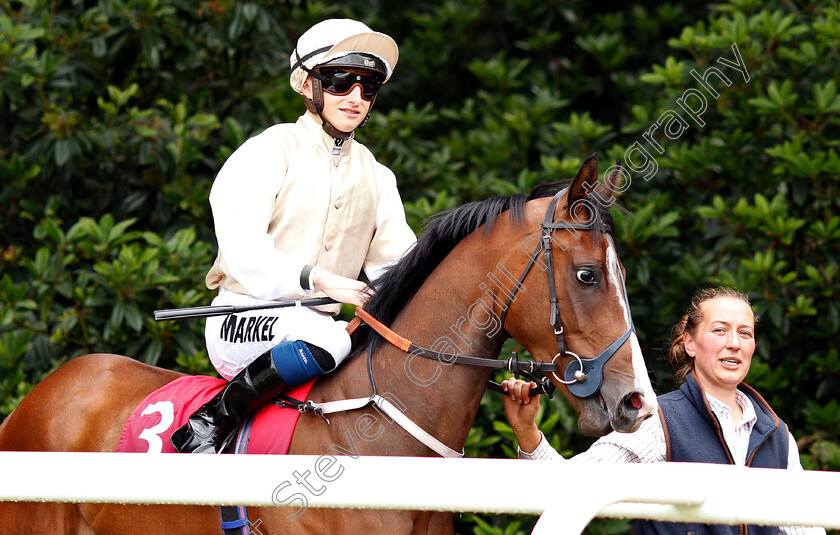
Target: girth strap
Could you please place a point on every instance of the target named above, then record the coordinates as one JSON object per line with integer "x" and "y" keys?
{"x": 235, "y": 521}
{"x": 385, "y": 406}
{"x": 235, "y": 517}
{"x": 395, "y": 414}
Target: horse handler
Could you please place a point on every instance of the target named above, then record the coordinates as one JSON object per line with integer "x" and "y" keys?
{"x": 300, "y": 208}
{"x": 714, "y": 417}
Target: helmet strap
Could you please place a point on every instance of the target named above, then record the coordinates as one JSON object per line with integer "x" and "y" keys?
{"x": 370, "y": 108}
{"x": 316, "y": 106}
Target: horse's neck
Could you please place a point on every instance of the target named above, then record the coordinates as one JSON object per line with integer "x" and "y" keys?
{"x": 450, "y": 314}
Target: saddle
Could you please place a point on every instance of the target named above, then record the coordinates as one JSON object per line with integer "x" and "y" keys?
{"x": 268, "y": 430}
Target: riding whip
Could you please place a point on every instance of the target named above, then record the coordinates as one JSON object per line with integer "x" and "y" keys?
{"x": 223, "y": 310}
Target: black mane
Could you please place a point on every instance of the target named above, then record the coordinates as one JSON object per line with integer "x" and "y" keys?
{"x": 441, "y": 233}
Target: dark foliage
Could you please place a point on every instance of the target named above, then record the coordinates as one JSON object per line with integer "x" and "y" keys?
{"x": 116, "y": 115}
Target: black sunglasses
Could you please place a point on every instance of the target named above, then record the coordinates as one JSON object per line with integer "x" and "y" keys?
{"x": 340, "y": 82}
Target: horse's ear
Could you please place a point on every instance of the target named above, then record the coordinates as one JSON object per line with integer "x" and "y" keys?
{"x": 586, "y": 189}
{"x": 612, "y": 185}
{"x": 584, "y": 183}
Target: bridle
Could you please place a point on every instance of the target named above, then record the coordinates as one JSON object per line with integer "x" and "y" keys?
{"x": 582, "y": 376}
{"x": 586, "y": 380}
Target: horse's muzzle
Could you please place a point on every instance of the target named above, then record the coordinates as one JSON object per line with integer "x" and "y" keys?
{"x": 630, "y": 411}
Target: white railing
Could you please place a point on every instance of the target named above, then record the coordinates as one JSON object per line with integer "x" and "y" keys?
{"x": 568, "y": 495}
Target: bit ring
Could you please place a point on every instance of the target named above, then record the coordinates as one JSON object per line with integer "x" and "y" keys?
{"x": 580, "y": 375}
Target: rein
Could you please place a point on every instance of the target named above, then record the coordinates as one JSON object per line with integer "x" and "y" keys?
{"x": 513, "y": 364}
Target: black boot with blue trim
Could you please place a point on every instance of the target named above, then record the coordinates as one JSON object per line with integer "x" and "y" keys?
{"x": 213, "y": 426}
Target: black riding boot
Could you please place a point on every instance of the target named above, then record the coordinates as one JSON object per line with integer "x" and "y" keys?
{"x": 212, "y": 426}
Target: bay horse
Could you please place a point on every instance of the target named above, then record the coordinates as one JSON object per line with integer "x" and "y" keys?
{"x": 504, "y": 267}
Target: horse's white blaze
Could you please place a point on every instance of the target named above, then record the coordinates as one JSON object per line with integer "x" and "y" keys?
{"x": 642, "y": 381}
{"x": 640, "y": 372}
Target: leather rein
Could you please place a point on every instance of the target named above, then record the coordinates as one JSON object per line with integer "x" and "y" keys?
{"x": 582, "y": 376}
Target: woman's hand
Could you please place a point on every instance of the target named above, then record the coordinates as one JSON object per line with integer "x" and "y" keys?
{"x": 341, "y": 289}
{"x": 521, "y": 411}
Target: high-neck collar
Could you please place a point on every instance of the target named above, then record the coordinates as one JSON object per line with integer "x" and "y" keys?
{"x": 316, "y": 132}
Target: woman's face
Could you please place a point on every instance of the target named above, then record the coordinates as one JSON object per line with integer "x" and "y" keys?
{"x": 723, "y": 345}
{"x": 344, "y": 112}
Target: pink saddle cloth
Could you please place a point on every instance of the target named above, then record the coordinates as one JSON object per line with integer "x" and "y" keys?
{"x": 267, "y": 430}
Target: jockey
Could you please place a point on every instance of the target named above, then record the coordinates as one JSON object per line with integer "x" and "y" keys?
{"x": 299, "y": 209}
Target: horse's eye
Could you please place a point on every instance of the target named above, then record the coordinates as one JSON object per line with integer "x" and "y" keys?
{"x": 586, "y": 276}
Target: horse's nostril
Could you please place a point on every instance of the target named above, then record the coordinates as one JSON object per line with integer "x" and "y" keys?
{"x": 634, "y": 401}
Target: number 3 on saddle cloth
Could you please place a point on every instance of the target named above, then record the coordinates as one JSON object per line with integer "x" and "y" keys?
{"x": 268, "y": 430}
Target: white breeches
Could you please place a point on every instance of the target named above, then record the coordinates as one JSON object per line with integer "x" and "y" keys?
{"x": 234, "y": 341}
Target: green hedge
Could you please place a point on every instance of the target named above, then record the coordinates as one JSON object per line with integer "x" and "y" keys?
{"x": 117, "y": 114}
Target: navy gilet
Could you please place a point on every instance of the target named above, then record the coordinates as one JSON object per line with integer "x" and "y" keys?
{"x": 688, "y": 422}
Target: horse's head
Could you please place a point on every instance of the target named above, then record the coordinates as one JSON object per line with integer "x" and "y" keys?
{"x": 601, "y": 369}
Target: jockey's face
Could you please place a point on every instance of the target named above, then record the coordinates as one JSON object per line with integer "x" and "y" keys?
{"x": 344, "y": 112}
